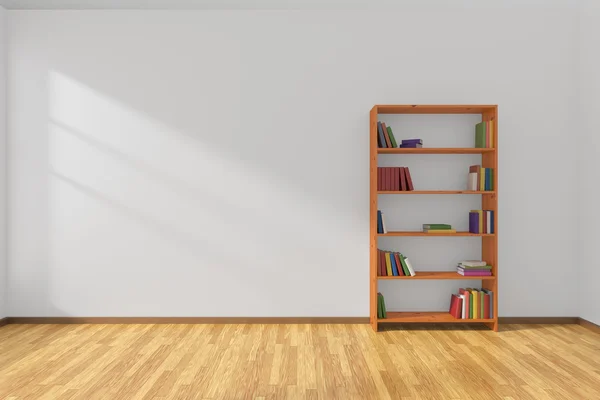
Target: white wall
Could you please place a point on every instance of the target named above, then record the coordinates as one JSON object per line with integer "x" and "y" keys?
{"x": 590, "y": 148}
{"x": 216, "y": 163}
{"x": 3, "y": 231}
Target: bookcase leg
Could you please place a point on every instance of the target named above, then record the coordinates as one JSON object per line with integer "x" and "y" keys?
{"x": 492, "y": 325}
{"x": 374, "y": 325}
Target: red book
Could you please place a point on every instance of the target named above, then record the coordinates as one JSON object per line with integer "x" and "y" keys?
{"x": 396, "y": 179}
{"x": 467, "y": 298}
{"x": 486, "y": 306}
{"x": 456, "y": 306}
{"x": 403, "y": 185}
{"x": 387, "y": 137}
{"x": 378, "y": 179}
{"x": 408, "y": 179}
{"x": 385, "y": 179}
{"x": 390, "y": 177}
{"x": 383, "y": 265}
{"x": 484, "y": 222}
{"x": 378, "y": 263}
{"x": 398, "y": 264}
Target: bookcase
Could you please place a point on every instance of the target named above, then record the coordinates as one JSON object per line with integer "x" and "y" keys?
{"x": 489, "y": 201}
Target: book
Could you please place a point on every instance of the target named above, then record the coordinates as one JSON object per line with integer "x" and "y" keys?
{"x": 467, "y": 297}
{"x": 411, "y": 146}
{"x": 491, "y": 306}
{"x": 404, "y": 265}
{"x": 476, "y": 169}
{"x": 475, "y": 304}
{"x": 480, "y": 135}
{"x": 409, "y": 266}
{"x": 391, "y": 135}
{"x": 382, "y": 142}
{"x": 473, "y": 222}
{"x": 473, "y": 273}
{"x": 379, "y": 222}
{"x": 481, "y": 304}
{"x": 381, "y": 310}
{"x": 388, "y": 142}
{"x": 464, "y": 304}
{"x": 412, "y": 141}
{"x": 455, "y": 306}
{"x": 403, "y": 185}
{"x": 467, "y": 268}
{"x": 473, "y": 263}
{"x": 379, "y": 270}
{"x": 394, "y": 266}
{"x": 399, "y": 264}
{"x": 486, "y": 305}
{"x": 388, "y": 264}
{"x": 439, "y": 230}
{"x": 472, "y": 181}
{"x": 437, "y": 226}
{"x": 396, "y": 179}
{"x": 409, "y": 181}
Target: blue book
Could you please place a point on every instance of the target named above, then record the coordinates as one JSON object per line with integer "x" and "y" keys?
{"x": 394, "y": 266}
{"x": 379, "y": 222}
{"x": 381, "y": 135}
{"x": 487, "y": 291}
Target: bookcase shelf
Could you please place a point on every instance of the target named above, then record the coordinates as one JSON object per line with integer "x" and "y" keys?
{"x": 442, "y": 275}
{"x": 420, "y": 233}
{"x": 489, "y": 201}
{"x": 441, "y": 150}
{"x": 428, "y": 316}
{"x": 435, "y": 192}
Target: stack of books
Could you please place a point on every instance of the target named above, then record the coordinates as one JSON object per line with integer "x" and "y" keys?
{"x": 385, "y": 136}
{"x": 438, "y": 228}
{"x": 381, "y": 223}
{"x": 474, "y": 268}
{"x": 381, "y": 312}
{"x": 484, "y": 134}
{"x": 472, "y": 304}
{"x": 482, "y": 221}
{"x": 394, "y": 179}
{"x": 390, "y": 263}
{"x": 411, "y": 143}
{"x": 481, "y": 179}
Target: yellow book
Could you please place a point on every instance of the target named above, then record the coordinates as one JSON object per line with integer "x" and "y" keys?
{"x": 439, "y": 230}
{"x": 482, "y": 179}
{"x": 476, "y": 306}
{"x": 388, "y": 264}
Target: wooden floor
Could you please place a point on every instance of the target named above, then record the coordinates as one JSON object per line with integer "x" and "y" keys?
{"x": 298, "y": 362}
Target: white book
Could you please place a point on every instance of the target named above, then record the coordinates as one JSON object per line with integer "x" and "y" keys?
{"x": 464, "y": 306}
{"x": 473, "y": 263}
{"x": 489, "y": 221}
{"x": 409, "y": 266}
{"x": 472, "y": 184}
{"x": 383, "y": 223}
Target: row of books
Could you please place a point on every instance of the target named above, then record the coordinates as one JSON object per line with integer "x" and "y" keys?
{"x": 482, "y": 221}
{"x": 481, "y": 179}
{"x": 484, "y": 134}
{"x": 438, "y": 228}
{"x": 386, "y": 138}
{"x": 391, "y": 263}
{"x": 474, "y": 268}
{"x": 394, "y": 179}
{"x": 472, "y": 304}
{"x": 381, "y": 311}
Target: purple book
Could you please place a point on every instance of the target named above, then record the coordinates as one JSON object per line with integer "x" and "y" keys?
{"x": 472, "y": 273}
{"x": 411, "y": 146}
{"x": 412, "y": 141}
{"x": 474, "y": 222}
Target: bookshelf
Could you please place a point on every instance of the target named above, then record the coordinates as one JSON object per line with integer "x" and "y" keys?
{"x": 489, "y": 201}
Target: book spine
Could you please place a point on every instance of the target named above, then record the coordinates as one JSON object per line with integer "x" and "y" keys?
{"x": 479, "y": 135}
{"x": 388, "y": 264}
{"x": 473, "y": 222}
{"x": 399, "y": 264}
{"x": 396, "y": 178}
{"x": 486, "y": 306}
{"x": 411, "y": 146}
{"x": 394, "y": 266}
{"x": 403, "y": 185}
{"x": 381, "y": 136}
{"x": 382, "y": 260}
{"x": 408, "y": 179}
{"x": 386, "y": 135}
{"x": 391, "y": 135}
{"x": 409, "y": 266}
{"x": 403, "y": 263}
{"x": 383, "y": 227}
{"x": 412, "y": 141}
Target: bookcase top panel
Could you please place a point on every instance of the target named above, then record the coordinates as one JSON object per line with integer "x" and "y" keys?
{"x": 435, "y": 109}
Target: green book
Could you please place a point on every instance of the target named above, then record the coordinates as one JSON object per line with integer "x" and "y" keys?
{"x": 392, "y": 138}
{"x": 379, "y": 308}
{"x": 404, "y": 267}
{"x": 470, "y": 303}
{"x": 480, "y": 135}
{"x": 466, "y": 268}
{"x": 437, "y": 226}
{"x": 383, "y": 310}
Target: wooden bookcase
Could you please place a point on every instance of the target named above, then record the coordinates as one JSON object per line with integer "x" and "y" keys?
{"x": 489, "y": 245}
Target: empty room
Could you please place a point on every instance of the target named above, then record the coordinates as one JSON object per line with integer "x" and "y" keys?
{"x": 299, "y": 199}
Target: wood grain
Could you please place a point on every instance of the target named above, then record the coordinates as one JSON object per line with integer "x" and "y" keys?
{"x": 122, "y": 362}
{"x": 433, "y": 192}
{"x": 3, "y": 321}
{"x": 434, "y": 109}
{"x": 373, "y": 218}
{"x": 443, "y": 275}
{"x": 187, "y": 320}
{"x": 539, "y": 320}
{"x": 590, "y": 325}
